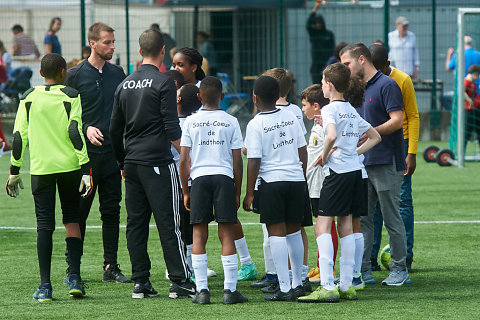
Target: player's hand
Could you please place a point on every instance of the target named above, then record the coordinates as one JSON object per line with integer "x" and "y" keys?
{"x": 247, "y": 202}
{"x": 87, "y": 184}
{"x": 244, "y": 151}
{"x": 122, "y": 172}
{"x": 95, "y": 136}
{"x": 362, "y": 139}
{"x": 411, "y": 161}
{"x": 14, "y": 181}
{"x": 318, "y": 119}
{"x": 450, "y": 51}
{"x": 186, "y": 201}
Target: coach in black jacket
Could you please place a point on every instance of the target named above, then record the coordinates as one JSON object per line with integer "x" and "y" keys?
{"x": 145, "y": 113}
{"x": 96, "y": 80}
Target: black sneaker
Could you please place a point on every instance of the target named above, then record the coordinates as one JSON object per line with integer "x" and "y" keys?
{"x": 267, "y": 280}
{"x": 409, "y": 265}
{"x": 182, "y": 289}
{"x": 299, "y": 291}
{"x": 202, "y": 297}
{"x": 66, "y": 279}
{"x": 230, "y": 297}
{"x": 143, "y": 290}
{"x": 272, "y": 288}
{"x": 375, "y": 265}
{"x": 307, "y": 285}
{"x": 113, "y": 274}
{"x": 282, "y": 296}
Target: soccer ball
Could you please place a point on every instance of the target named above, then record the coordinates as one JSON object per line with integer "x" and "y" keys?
{"x": 385, "y": 257}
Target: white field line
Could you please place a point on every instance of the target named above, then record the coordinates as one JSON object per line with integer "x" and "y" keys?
{"x": 258, "y": 224}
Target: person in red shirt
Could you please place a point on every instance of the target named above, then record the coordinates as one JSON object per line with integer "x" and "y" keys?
{"x": 472, "y": 104}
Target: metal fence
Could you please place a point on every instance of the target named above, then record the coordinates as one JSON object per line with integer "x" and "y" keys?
{"x": 247, "y": 40}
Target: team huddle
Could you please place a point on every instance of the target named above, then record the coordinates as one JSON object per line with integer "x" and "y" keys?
{"x": 180, "y": 156}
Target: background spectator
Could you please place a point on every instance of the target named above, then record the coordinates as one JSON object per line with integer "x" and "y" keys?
{"x": 6, "y": 59}
{"x": 322, "y": 42}
{"x": 52, "y": 45}
{"x": 206, "y": 49}
{"x": 169, "y": 44}
{"x": 23, "y": 44}
{"x": 472, "y": 57}
{"x": 403, "y": 48}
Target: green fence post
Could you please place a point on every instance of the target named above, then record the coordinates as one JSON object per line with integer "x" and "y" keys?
{"x": 280, "y": 27}
{"x": 386, "y": 21}
{"x": 127, "y": 31}
{"x": 82, "y": 27}
{"x": 435, "y": 115}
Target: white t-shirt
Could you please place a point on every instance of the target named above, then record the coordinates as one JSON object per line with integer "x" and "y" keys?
{"x": 211, "y": 136}
{"x": 176, "y": 155}
{"x": 350, "y": 126}
{"x": 297, "y": 112}
{"x": 315, "y": 175}
{"x": 275, "y": 137}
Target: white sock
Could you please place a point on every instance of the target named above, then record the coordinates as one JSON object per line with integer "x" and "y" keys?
{"x": 230, "y": 270}
{"x": 280, "y": 259}
{"x": 304, "y": 272}
{"x": 325, "y": 260}
{"x": 359, "y": 247}
{"x": 189, "y": 256}
{"x": 242, "y": 249}
{"x": 267, "y": 252}
{"x": 199, "y": 263}
{"x": 295, "y": 252}
{"x": 347, "y": 261}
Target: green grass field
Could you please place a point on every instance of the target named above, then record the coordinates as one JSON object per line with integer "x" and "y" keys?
{"x": 444, "y": 285}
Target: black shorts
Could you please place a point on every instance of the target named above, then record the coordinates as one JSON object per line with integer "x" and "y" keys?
{"x": 44, "y": 190}
{"x": 307, "y": 215}
{"x": 209, "y": 192}
{"x": 314, "y": 203}
{"x": 342, "y": 194}
{"x": 360, "y": 207}
{"x": 281, "y": 201}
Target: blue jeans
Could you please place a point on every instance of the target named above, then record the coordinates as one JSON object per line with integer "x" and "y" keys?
{"x": 406, "y": 211}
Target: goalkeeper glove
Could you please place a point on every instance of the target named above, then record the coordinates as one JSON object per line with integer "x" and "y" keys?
{"x": 87, "y": 183}
{"x": 14, "y": 181}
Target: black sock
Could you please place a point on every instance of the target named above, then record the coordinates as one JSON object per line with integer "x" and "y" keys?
{"x": 44, "y": 251}
{"x": 75, "y": 252}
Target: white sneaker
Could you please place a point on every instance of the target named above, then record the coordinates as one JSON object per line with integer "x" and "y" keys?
{"x": 211, "y": 273}
{"x": 397, "y": 278}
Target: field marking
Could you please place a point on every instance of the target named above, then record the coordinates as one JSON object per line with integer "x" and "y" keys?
{"x": 258, "y": 224}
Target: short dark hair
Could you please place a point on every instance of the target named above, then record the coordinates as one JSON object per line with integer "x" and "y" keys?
{"x": 177, "y": 76}
{"x": 87, "y": 49}
{"x": 211, "y": 90}
{"x": 96, "y": 28}
{"x": 314, "y": 94}
{"x": 52, "y": 64}
{"x": 155, "y": 26}
{"x": 190, "y": 102}
{"x": 52, "y": 22}
{"x": 151, "y": 43}
{"x": 18, "y": 28}
{"x": 356, "y": 91}
{"x": 339, "y": 75}
{"x": 338, "y": 48}
{"x": 356, "y": 50}
{"x": 380, "y": 42}
{"x": 203, "y": 34}
{"x": 474, "y": 68}
{"x": 284, "y": 79}
{"x": 379, "y": 56}
{"x": 267, "y": 89}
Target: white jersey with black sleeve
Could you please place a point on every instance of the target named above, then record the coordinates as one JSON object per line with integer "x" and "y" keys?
{"x": 349, "y": 126}
{"x": 274, "y": 137}
{"x": 211, "y": 136}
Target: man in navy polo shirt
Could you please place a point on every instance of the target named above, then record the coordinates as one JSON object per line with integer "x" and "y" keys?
{"x": 385, "y": 163}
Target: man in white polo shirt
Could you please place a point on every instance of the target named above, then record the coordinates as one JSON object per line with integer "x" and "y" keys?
{"x": 403, "y": 48}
